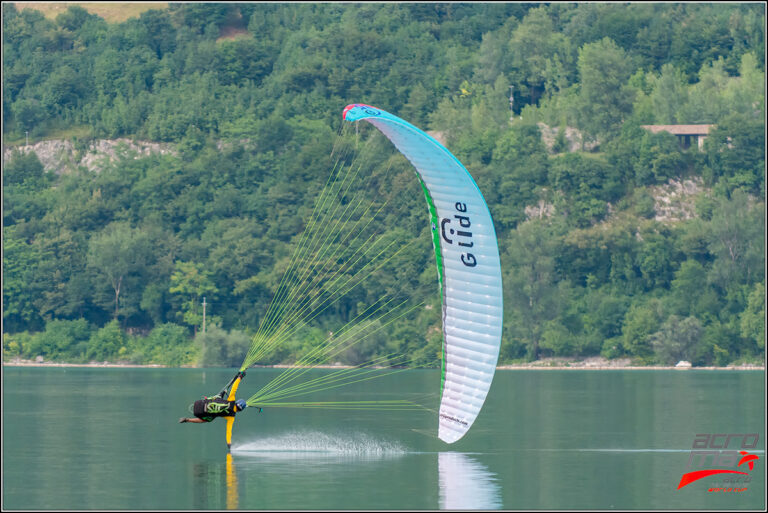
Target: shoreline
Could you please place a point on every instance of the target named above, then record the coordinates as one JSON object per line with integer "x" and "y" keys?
{"x": 592, "y": 363}
{"x": 600, "y": 363}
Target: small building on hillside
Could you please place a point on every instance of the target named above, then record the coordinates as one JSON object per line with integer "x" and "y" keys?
{"x": 687, "y": 135}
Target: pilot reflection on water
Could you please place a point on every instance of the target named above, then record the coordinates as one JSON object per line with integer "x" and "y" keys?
{"x": 465, "y": 483}
{"x": 231, "y": 483}
{"x": 208, "y": 489}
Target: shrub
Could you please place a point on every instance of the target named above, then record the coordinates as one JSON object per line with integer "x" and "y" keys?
{"x": 107, "y": 342}
{"x": 221, "y": 349}
{"x": 677, "y": 339}
{"x": 61, "y": 339}
{"x": 170, "y": 344}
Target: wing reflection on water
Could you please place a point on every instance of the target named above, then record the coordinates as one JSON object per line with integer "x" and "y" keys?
{"x": 465, "y": 483}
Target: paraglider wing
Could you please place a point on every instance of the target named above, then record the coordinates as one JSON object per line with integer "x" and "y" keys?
{"x": 468, "y": 266}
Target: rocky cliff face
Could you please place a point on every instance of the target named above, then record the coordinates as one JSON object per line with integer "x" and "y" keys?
{"x": 573, "y": 138}
{"x": 63, "y": 156}
{"x": 676, "y": 200}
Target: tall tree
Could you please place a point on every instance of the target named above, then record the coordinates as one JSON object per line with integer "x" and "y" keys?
{"x": 736, "y": 238}
{"x": 677, "y": 339}
{"x": 605, "y": 97}
{"x": 535, "y": 51}
{"x": 192, "y": 282}
{"x": 753, "y": 317}
{"x": 669, "y": 94}
{"x": 119, "y": 254}
{"x": 531, "y": 284}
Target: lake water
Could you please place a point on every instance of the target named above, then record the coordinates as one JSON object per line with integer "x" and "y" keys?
{"x": 96, "y": 438}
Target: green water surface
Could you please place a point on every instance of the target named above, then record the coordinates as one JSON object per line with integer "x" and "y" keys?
{"x": 95, "y": 438}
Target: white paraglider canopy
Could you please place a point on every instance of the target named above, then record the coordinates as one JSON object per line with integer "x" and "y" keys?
{"x": 469, "y": 271}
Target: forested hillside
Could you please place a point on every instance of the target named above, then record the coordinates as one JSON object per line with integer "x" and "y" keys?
{"x": 614, "y": 240}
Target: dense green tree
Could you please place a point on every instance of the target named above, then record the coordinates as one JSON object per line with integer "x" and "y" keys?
{"x": 640, "y": 323}
{"x": 520, "y": 164}
{"x": 654, "y": 40}
{"x": 28, "y": 113}
{"x": 690, "y": 294}
{"x": 531, "y": 284}
{"x": 753, "y": 317}
{"x": 492, "y": 58}
{"x": 706, "y": 98}
{"x": 605, "y": 96}
{"x": 719, "y": 344}
{"x": 736, "y": 239}
{"x": 221, "y": 349}
{"x": 602, "y": 319}
{"x": 702, "y": 36}
{"x": 677, "y": 339}
{"x": 24, "y": 168}
{"x": 25, "y": 188}
{"x": 735, "y": 153}
{"x": 63, "y": 88}
{"x": 20, "y": 261}
{"x": 192, "y": 282}
{"x": 160, "y": 31}
{"x": 539, "y": 55}
{"x": 658, "y": 158}
{"x": 591, "y": 22}
{"x": 118, "y": 256}
{"x": 73, "y": 18}
{"x": 62, "y": 339}
{"x": 107, "y": 343}
{"x": 169, "y": 344}
{"x": 670, "y": 92}
{"x": 62, "y": 283}
{"x": 588, "y": 183}
{"x": 199, "y": 17}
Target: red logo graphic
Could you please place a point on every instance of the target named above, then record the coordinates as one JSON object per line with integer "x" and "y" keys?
{"x": 690, "y": 477}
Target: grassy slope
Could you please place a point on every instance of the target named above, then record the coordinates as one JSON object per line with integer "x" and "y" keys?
{"x": 116, "y": 12}
{"x": 113, "y": 12}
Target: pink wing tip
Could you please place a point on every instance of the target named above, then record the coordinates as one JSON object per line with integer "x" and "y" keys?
{"x": 352, "y": 106}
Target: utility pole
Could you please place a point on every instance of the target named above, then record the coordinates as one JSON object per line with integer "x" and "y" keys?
{"x": 203, "y": 314}
{"x": 26, "y": 132}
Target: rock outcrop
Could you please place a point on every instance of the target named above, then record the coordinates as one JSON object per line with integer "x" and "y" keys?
{"x": 63, "y": 156}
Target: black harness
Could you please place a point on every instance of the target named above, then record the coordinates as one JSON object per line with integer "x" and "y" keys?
{"x": 208, "y": 409}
